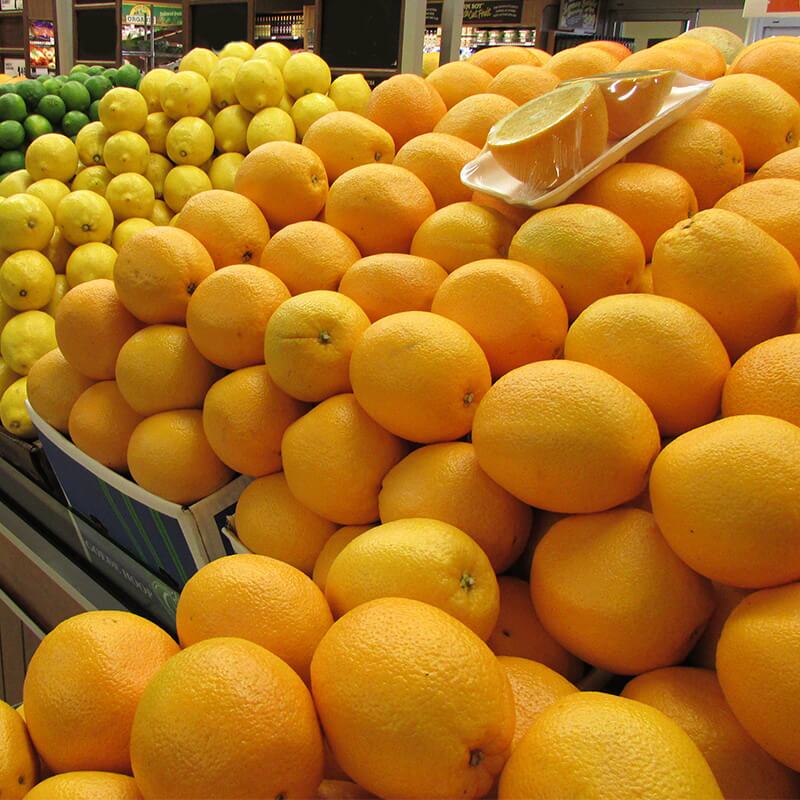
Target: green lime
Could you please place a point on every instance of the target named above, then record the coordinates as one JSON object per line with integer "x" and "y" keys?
{"x": 128, "y": 75}
{"x": 73, "y": 121}
{"x": 8, "y": 88}
{"x": 79, "y": 68}
{"x": 51, "y": 86}
{"x": 96, "y": 70}
{"x": 80, "y": 77}
{"x": 12, "y": 160}
{"x": 12, "y": 106}
{"x": 111, "y": 74}
{"x": 62, "y": 78}
{"x": 94, "y": 111}
{"x": 98, "y": 85}
{"x": 42, "y": 78}
{"x": 31, "y": 92}
{"x": 36, "y": 125}
{"x": 52, "y": 108}
{"x": 75, "y": 96}
{"x": 12, "y": 134}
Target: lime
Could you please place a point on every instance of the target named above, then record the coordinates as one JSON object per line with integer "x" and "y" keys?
{"x": 111, "y": 74}
{"x": 37, "y": 125}
{"x": 12, "y": 106}
{"x": 96, "y": 70}
{"x": 42, "y": 78}
{"x": 12, "y": 160}
{"x": 8, "y": 88}
{"x": 12, "y": 135}
{"x": 98, "y": 85}
{"x": 73, "y": 121}
{"x": 79, "y": 68}
{"x": 62, "y": 78}
{"x": 52, "y": 85}
{"x": 31, "y": 92}
{"x": 94, "y": 111}
{"x": 52, "y": 108}
{"x": 80, "y": 77}
{"x": 128, "y": 75}
{"x": 75, "y": 96}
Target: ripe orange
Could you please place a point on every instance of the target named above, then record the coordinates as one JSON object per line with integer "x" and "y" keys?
{"x": 83, "y": 685}
{"x": 157, "y": 272}
{"x": 53, "y": 387}
{"x": 309, "y": 255}
{"x": 727, "y": 42}
{"x": 585, "y": 251}
{"x": 784, "y": 165}
{"x": 309, "y": 341}
{"x": 699, "y": 59}
{"x": 331, "y": 550}
{"x": 616, "y": 49}
{"x": 515, "y": 314}
{"x": 336, "y": 445}
{"x": 461, "y": 233}
{"x": 472, "y": 118}
{"x": 169, "y": 455}
{"x": 581, "y": 63}
{"x": 244, "y": 418}
{"x": 91, "y": 327}
{"x": 448, "y": 671}
{"x": 391, "y": 101}
{"x": 726, "y": 598}
{"x": 270, "y": 521}
{"x": 777, "y": 60}
{"x": 392, "y": 282}
{"x": 342, "y": 790}
{"x": 523, "y": 82}
{"x": 259, "y": 599}
{"x": 458, "y": 80}
{"x": 379, "y": 206}
{"x": 87, "y": 785}
{"x": 285, "y": 180}
{"x": 437, "y": 160}
{"x": 420, "y": 376}
{"x": 705, "y": 154}
{"x": 20, "y": 767}
{"x": 596, "y": 436}
{"x": 496, "y": 59}
{"x": 738, "y": 277}
{"x": 228, "y": 314}
{"x": 226, "y": 718}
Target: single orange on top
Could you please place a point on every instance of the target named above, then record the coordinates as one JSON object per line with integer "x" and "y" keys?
{"x": 472, "y": 118}
{"x": 523, "y": 82}
{"x": 495, "y": 59}
{"x": 53, "y": 387}
{"x": 581, "y": 63}
{"x": 457, "y": 80}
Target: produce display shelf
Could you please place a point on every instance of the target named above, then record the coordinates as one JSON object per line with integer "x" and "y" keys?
{"x": 17, "y": 12}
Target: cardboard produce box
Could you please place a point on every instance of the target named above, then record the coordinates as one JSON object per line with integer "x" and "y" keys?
{"x": 29, "y": 458}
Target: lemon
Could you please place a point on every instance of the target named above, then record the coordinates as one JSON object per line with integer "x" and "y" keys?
{"x": 173, "y": 223}
{"x": 126, "y": 152}
{"x": 26, "y": 338}
{"x": 270, "y": 125}
{"x": 25, "y": 223}
{"x": 91, "y": 261}
{"x": 150, "y": 88}
{"x": 52, "y": 156}
{"x": 90, "y": 142}
{"x": 286, "y": 104}
{"x": 308, "y": 109}
{"x": 130, "y": 195}
{"x": 275, "y": 52}
{"x": 305, "y": 73}
{"x": 185, "y": 94}
{"x": 49, "y": 190}
{"x": 157, "y": 168}
{"x": 61, "y": 288}
{"x": 230, "y": 129}
{"x": 155, "y": 131}
{"x": 161, "y": 214}
{"x": 127, "y": 229}
{"x": 7, "y": 376}
{"x": 198, "y": 59}
{"x": 123, "y": 109}
{"x": 221, "y": 85}
{"x": 209, "y": 116}
{"x": 15, "y": 182}
{"x": 27, "y": 280}
{"x": 429, "y": 63}
{"x": 6, "y": 312}
{"x": 94, "y": 179}
{"x": 182, "y": 183}
{"x": 85, "y": 216}
{"x": 351, "y": 93}
{"x": 58, "y": 250}
{"x": 223, "y": 170}
{"x": 258, "y": 84}
{"x": 13, "y": 413}
{"x": 230, "y": 63}
{"x": 243, "y": 50}
{"x": 190, "y": 141}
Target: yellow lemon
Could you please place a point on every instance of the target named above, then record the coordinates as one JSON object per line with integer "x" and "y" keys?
{"x": 230, "y": 129}
{"x": 49, "y": 190}
{"x": 90, "y": 141}
{"x": 26, "y": 338}
{"x": 130, "y": 195}
{"x": 7, "y": 376}
{"x": 27, "y": 280}
{"x": 243, "y": 50}
{"x": 85, "y": 216}
{"x": 161, "y": 214}
{"x": 150, "y": 88}
{"x": 182, "y": 183}
{"x": 190, "y": 141}
{"x": 157, "y": 169}
{"x": 52, "y": 156}
{"x": 155, "y": 131}
{"x": 305, "y": 73}
{"x": 58, "y": 250}
{"x": 89, "y": 262}
{"x": 351, "y": 93}
{"x": 308, "y": 109}
{"x": 223, "y": 170}
{"x": 275, "y": 52}
{"x": 270, "y": 125}
{"x": 209, "y": 116}
{"x": 429, "y": 63}
{"x": 286, "y": 103}
{"x": 6, "y": 312}
{"x": 122, "y": 109}
{"x": 128, "y": 228}
{"x": 13, "y": 413}
{"x": 61, "y": 288}
{"x": 126, "y": 152}
{"x": 258, "y": 84}
{"x": 185, "y": 94}
{"x": 93, "y": 179}
{"x": 221, "y": 85}
{"x": 198, "y": 59}
{"x": 25, "y": 223}
{"x": 15, "y": 182}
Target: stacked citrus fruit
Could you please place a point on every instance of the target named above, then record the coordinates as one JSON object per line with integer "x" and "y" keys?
{"x": 489, "y": 449}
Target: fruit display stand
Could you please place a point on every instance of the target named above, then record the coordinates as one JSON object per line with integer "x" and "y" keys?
{"x": 21, "y": 32}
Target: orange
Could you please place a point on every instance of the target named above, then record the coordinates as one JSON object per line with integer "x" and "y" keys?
{"x": 226, "y": 718}
{"x": 420, "y": 376}
{"x": 614, "y": 48}
{"x": 53, "y": 387}
{"x": 422, "y": 559}
{"x": 726, "y": 599}
{"x": 169, "y": 455}
{"x": 535, "y": 687}
{"x": 272, "y": 522}
{"x": 693, "y": 698}
{"x": 496, "y": 59}
{"x": 91, "y": 327}
{"x": 244, "y": 418}
{"x": 341, "y": 790}
{"x": 392, "y": 282}
{"x": 309, "y": 341}
{"x": 463, "y": 232}
{"x": 159, "y": 369}
{"x": 228, "y": 314}
{"x": 693, "y": 57}
{"x": 515, "y": 314}
{"x": 779, "y": 61}
{"x": 662, "y": 349}
{"x": 595, "y": 435}
{"x": 259, "y": 599}
{"x": 651, "y": 199}
{"x": 285, "y": 180}
{"x": 705, "y": 154}
{"x": 20, "y": 767}
{"x": 581, "y": 63}
{"x": 379, "y": 206}
{"x": 756, "y": 659}
{"x": 774, "y": 205}
{"x": 585, "y": 251}
{"x": 437, "y": 160}
{"x": 101, "y": 424}
{"x": 643, "y": 610}
{"x": 343, "y": 140}
{"x": 157, "y": 272}
{"x": 472, "y": 118}
{"x": 444, "y": 482}
{"x": 784, "y": 165}
{"x": 331, "y": 550}
{"x": 309, "y": 255}
{"x": 337, "y": 445}
{"x": 228, "y": 225}
{"x": 765, "y": 380}
{"x": 519, "y": 634}
{"x": 738, "y": 277}
{"x": 458, "y": 80}
{"x": 619, "y": 748}
{"x": 723, "y": 496}
{"x": 523, "y": 82}
{"x": 447, "y": 671}
{"x": 764, "y": 118}
{"x": 87, "y": 786}
{"x": 391, "y": 102}
{"x": 727, "y": 42}
{"x": 83, "y": 685}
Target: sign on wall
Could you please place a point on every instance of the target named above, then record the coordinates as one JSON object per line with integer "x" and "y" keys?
{"x": 488, "y": 12}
